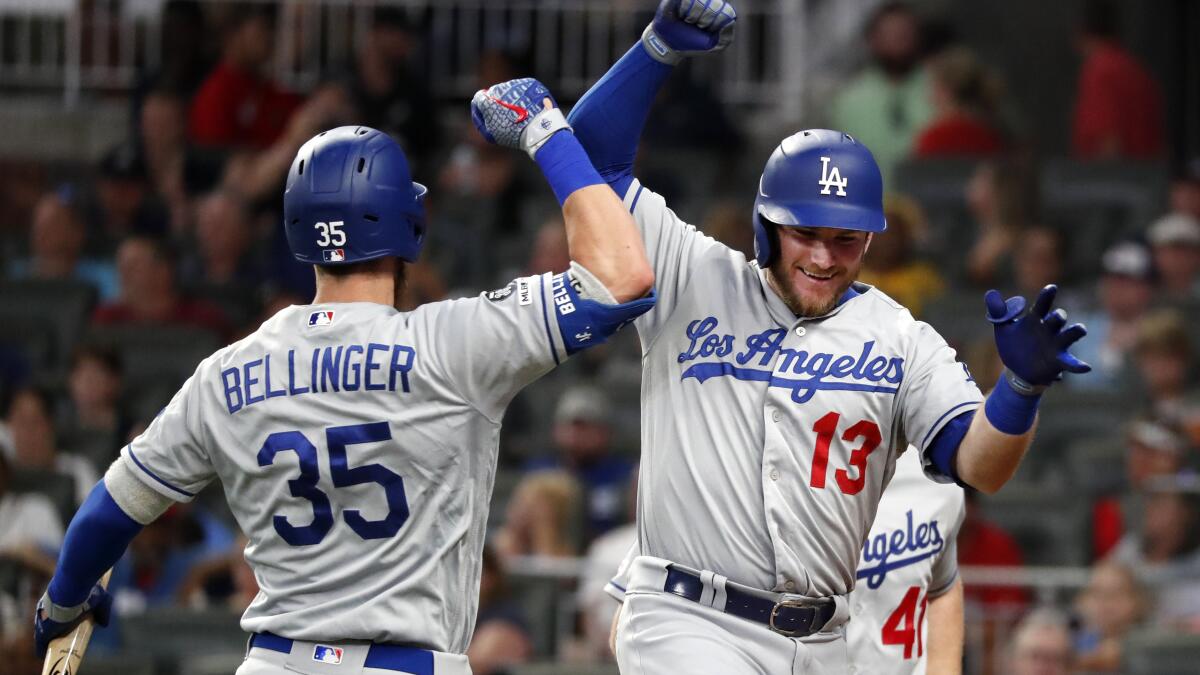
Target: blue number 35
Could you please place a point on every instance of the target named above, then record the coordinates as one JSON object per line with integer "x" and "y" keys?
{"x": 305, "y": 487}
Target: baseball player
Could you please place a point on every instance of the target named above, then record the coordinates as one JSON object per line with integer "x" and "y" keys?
{"x": 778, "y": 392}
{"x": 907, "y": 605}
{"x": 357, "y": 444}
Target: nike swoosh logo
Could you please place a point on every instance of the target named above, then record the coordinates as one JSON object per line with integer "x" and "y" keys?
{"x": 522, "y": 113}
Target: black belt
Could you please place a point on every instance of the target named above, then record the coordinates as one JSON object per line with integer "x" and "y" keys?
{"x": 791, "y": 617}
{"x": 385, "y": 657}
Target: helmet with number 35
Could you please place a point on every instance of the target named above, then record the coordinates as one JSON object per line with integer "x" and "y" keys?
{"x": 350, "y": 197}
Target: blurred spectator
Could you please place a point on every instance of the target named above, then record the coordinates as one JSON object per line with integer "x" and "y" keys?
{"x": 1175, "y": 239}
{"x": 1001, "y": 197}
{"x": 726, "y": 222}
{"x": 221, "y": 256}
{"x": 149, "y": 293}
{"x": 1154, "y": 448}
{"x": 1041, "y": 645}
{"x": 891, "y": 265}
{"x": 56, "y": 242}
{"x": 422, "y": 283}
{"x": 163, "y": 555}
{"x": 982, "y": 542}
{"x": 186, "y": 51}
{"x": 1040, "y": 263}
{"x": 1165, "y": 362}
{"x": 31, "y": 530}
{"x": 162, "y": 135}
{"x": 238, "y": 105}
{"x": 888, "y": 102}
{"x": 1118, "y": 105}
{"x": 30, "y": 421}
{"x": 1112, "y": 605}
{"x": 601, "y": 561}
{"x": 225, "y": 579}
{"x": 966, "y": 99}
{"x": 126, "y": 202}
{"x": 389, "y": 94}
{"x": 501, "y": 637}
{"x": 542, "y": 517}
{"x": 550, "y": 252}
{"x": 582, "y": 437}
{"x": 92, "y": 413}
{"x": 1125, "y": 292}
{"x": 1165, "y": 547}
{"x": 1185, "y": 190}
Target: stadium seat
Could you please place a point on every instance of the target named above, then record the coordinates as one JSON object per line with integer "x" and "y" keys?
{"x": 1096, "y": 465}
{"x": 1160, "y": 653}
{"x": 1051, "y": 526}
{"x": 212, "y": 664}
{"x": 1098, "y": 203}
{"x": 959, "y": 315}
{"x": 156, "y": 355}
{"x": 940, "y": 186}
{"x": 171, "y": 636}
{"x": 550, "y": 668}
{"x": 117, "y": 664}
{"x": 57, "y": 487}
{"x": 541, "y": 600}
{"x": 55, "y": 310}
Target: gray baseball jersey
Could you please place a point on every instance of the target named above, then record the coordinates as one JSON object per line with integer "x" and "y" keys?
{"x": 357, "y": 449}
{"x": 768, "y": 439}
{"x": 909, "y": 558}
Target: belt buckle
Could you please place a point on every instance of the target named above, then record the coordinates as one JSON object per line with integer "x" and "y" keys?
{"x": 797, "y": 603}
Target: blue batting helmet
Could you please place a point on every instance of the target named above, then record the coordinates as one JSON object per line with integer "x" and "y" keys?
{"x": 350, "y": 197}
{"x": 817, "y": 178}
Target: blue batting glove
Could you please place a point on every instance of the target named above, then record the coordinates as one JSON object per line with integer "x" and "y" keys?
{"x": 1034, "y": 345}
{"x": 51, "y": 620}
{"x": 514, "y": 114}
{"x": 684, "y": 27}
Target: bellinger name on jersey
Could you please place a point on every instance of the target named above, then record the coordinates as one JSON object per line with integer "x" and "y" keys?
{"x": 339, "y": 368}
{"x": 706, "y": 342}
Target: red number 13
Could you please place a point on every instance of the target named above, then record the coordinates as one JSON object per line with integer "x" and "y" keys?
{"x": 826, "y": 428}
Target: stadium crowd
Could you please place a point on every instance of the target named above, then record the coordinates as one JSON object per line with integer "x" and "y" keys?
{"x": 171, "y": 247}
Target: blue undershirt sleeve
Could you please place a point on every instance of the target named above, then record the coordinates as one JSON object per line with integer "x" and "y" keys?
{"x": 944, "y": 448}
{"x": 96, "y": 539}
{"x": 609, "y": 119}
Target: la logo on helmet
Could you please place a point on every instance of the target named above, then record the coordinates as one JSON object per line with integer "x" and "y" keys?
{"x": 831, "y": 179}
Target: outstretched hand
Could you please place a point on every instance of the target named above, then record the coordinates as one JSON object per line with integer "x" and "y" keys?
{"x": 517, "y": 114}
{"x": 684, "y": 27}
{"x": 1034, "y": 345}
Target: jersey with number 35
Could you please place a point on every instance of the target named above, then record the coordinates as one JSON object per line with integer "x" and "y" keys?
{"x": 768, "y": 439}
{"x": 357, "y": 448}
{"x": 909, "y": 558}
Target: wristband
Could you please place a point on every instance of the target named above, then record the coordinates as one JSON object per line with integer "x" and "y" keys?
{"x": 1009, "y": 410}
{"x": 566, "y": 166}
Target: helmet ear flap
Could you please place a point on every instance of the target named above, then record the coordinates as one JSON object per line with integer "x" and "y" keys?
{"x": 766, "y": 240}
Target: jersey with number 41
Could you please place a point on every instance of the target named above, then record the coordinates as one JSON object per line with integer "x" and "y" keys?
{"x": 357, "y": 448}
{"x": 768, "y": 439}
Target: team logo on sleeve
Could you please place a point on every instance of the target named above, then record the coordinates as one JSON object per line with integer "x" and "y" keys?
{"x": 320, "y": 318}
{"x": 501, "y": 293}
{"x": 334, "y": 255}
{"x": 326, "y": 654}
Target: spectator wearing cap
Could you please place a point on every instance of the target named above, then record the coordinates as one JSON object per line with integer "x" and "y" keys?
{"x": 149, "y": 292}
{"x": 888, "y": 103}
{"x": 238, "y": 105}
{"x": 1111, "y": 606}
{"x": 127, "y": 204}
{"x": 1175, "y": 240}
{"x": 966, "y": 98}
{"x": 1125, "y": 292}
{"x": 57, "y": 239}
{"x": 1118, "y": 104}
{"x": 1041, "y": 644}
{"x": 1164, "y": 360}
{"x": 582, "y": 438}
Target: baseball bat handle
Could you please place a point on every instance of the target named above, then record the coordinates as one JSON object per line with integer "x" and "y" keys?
{"x": 66, "y": 651}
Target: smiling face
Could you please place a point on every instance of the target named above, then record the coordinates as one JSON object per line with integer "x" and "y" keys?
{"x": 815, "y": 266}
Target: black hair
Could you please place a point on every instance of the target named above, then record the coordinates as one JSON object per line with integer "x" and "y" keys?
{"x": 1100, "y": 19}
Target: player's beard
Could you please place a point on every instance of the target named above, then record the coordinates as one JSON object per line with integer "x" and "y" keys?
{"x": 809, "y": 304}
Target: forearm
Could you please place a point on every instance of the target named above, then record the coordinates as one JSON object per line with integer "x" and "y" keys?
{"x": 96, "y": 539}
{"x": 609, "y": 119}
{"x": 601, "y": 233}
{"x": 945, "y": 638}
{"x": 989, "y": 456}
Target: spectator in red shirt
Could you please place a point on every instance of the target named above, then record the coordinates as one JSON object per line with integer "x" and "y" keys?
{"x": 981, "y": 542}
{"x": 238, "y": 105}
{"x": 1118, "y": 109}
{"x": 965, "y": 95}
{"x": 149, "y": 294}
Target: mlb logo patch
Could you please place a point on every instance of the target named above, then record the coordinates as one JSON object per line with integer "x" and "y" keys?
{"x": 330, "y": 655}
{"x": 334, "y": 254}
{"x": 321, "y": 318}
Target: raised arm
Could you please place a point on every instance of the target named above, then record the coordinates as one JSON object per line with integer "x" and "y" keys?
{"x": 601, "y": 234}
{"x": 609, "y": 119}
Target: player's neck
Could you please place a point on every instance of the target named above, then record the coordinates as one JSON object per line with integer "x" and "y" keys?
{"x": 376, "y": 287}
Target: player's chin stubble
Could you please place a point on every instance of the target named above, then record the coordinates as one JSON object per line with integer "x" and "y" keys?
{"x": 801, "y": 304}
